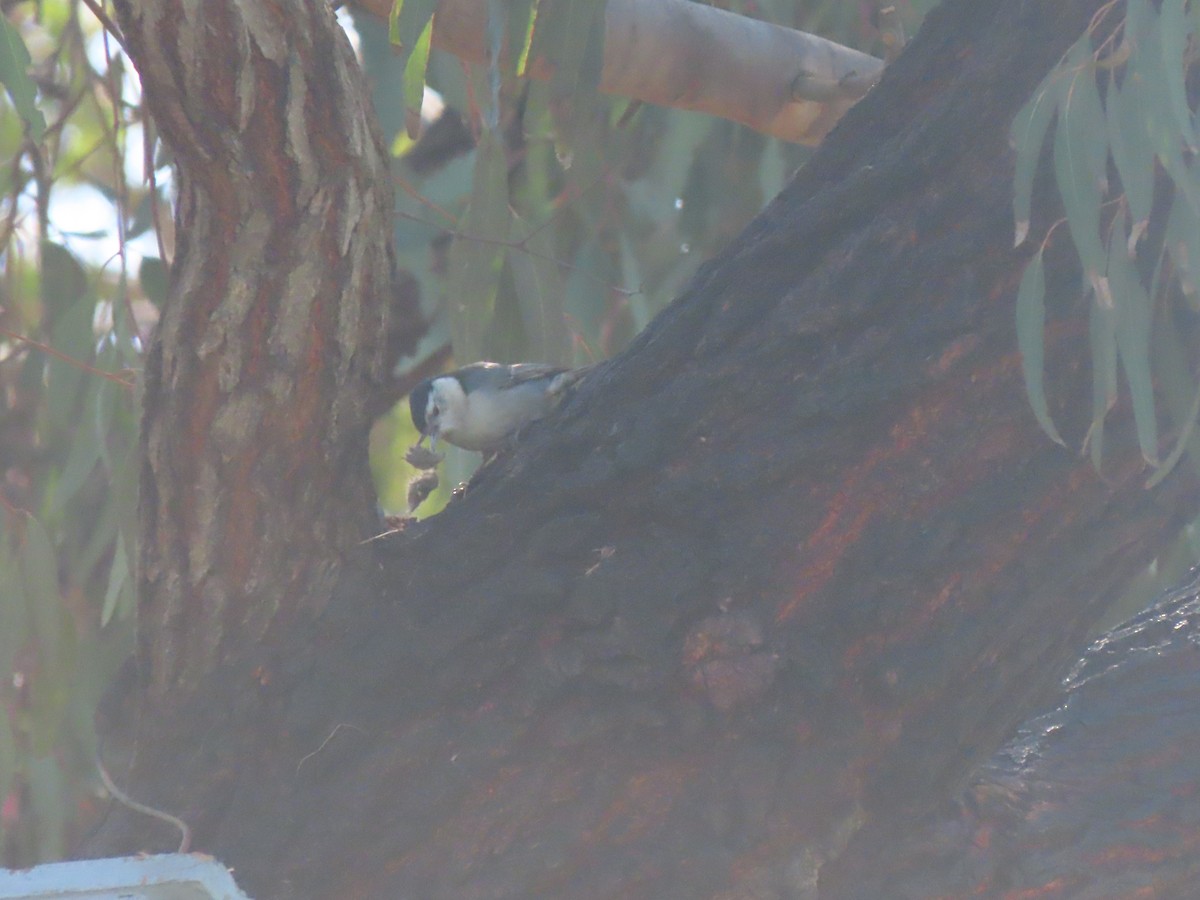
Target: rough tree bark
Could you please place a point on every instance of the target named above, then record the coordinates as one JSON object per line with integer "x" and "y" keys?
{"x": 257, "y": 386}
{"x": 760, "y": 595}
{"x": 1096, "y": 798}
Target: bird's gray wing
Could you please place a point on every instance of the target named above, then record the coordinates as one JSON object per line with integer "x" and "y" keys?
{"x": 523, "y": 372}
{"x": 483, "y": 373}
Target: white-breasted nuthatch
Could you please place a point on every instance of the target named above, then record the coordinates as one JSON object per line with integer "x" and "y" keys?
{"x": 480, "y": 406}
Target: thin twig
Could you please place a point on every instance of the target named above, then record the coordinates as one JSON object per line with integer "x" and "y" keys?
{"x": 336, "y": 729}
{"x": 109, "y": 25}
{"x": 120, "y": 188}
{"x": 69, "y": 360}
{"x": 185, "y": 832}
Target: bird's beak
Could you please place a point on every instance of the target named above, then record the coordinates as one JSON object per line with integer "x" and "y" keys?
{"x": 433, "y": 442}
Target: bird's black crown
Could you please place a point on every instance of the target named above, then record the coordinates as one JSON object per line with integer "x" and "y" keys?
{"x": 418, "y": 402}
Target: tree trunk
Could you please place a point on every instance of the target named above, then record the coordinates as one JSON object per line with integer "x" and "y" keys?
{"x": 763, "y": 592}
{"x": 254, "y": 484}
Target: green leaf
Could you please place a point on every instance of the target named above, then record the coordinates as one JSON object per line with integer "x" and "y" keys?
{"x": 407, "y": 20}
{"x": 1102, "y": 333}
{"x": 477, "y": 252}
{"x": 1134, "y": 315}
{"x": 64, "y": 283}
{"x": 73, "y": 337}
{"x": 154, "y": 279}
{"x": 631, "y": 278}
{"x": 14, "y": 73}
{"x": 1028, "y": 133}
{"x": 1182, "y": 243}
{"x": 540, "y": 287}
{"x": 1132, "y": 153}
{"x": 521, "y": 18}
{"x": 99, "y": 543}
{"x": 39, "y": 575}
{"x": 1031, "y": 325}
{"x": 1185, "y": 443}
{"x": 1081, "y": 126}
{"x": 118, "y": 579}
{"x": 48, "y": 800}
{"x": 54, "y": 634}
{"x": 1182, "y": 398}
{"x": 81, "y": 461}
{"x": 568, "y": 38}
{"x": 587, "y": 296}
{"x": 1175, "y": 35}
{"x": 14, "y": 611}
{"x": 1145, "y": 71}
{"x": 414, "y": 81}
{"x": 1082, "y": 105}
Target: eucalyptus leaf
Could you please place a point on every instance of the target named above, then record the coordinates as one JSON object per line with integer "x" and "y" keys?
{"x": 568, "y": 37}
{"x": 118, "y": 578}
{"x": 1182, "y": 398}
{"x": 99, "y": 543}
{"x": 477, "y": 251}
{"x": 1186, "y": 437}
{"x": 1080, "y": 126}
{"x": 414, "y": 81}
{"x": 631, "y": 277}
{"x": 540, "y": 288}
{"x": 1145, "y": 72}
{"x": 1133, "y": 324}
{"x": 48, "y": 800}
{"x": 702, "y": 191}
{"x": 1102, "y": 334}
{"x": 14, "y": 610}
{"x": 1083, "y": 107}
{"x": 1132, "y": 153}
{"x": 125, "y": 501}
{"x": 568, "y": 40}
{"x": 1182, "y": 243}
{"x": 1175, "y": 37}
{"x": 521, "y": 17}
{"x": 81, "y": 462}
{"x": 1031, "y": 326}
{"x": 39, "y": 575}
{"x": 74, "y": 339}
{"x": 14, "y": 73}
{"x": 406, "y": 21}
{"x": 53, "y": 631}
{"x": 64, "y": 283}
{"x": 587, "y": 294}
{"x": 154, "y": 279}
{"x": 1028, "y": 134}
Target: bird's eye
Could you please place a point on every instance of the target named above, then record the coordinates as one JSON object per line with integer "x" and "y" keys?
{"x": 434, "y": 412}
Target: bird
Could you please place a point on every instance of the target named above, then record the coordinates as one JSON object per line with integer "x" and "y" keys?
{"x": 482, "y": 406}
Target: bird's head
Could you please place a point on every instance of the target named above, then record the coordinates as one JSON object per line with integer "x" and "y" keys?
{"x": 438, "y": 406}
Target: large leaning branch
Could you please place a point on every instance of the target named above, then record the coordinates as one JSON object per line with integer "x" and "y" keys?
{"x": 782, "y": 82}
{"x": 751, "y": 604}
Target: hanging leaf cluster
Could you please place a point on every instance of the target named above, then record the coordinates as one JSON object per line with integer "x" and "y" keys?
{"x": 70, "y": 352}
{"x": 1124, "y": 151}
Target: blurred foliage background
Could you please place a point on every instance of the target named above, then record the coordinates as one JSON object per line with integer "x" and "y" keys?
{"x": 596, "y": 209}
{"x": 540, "y": 221}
